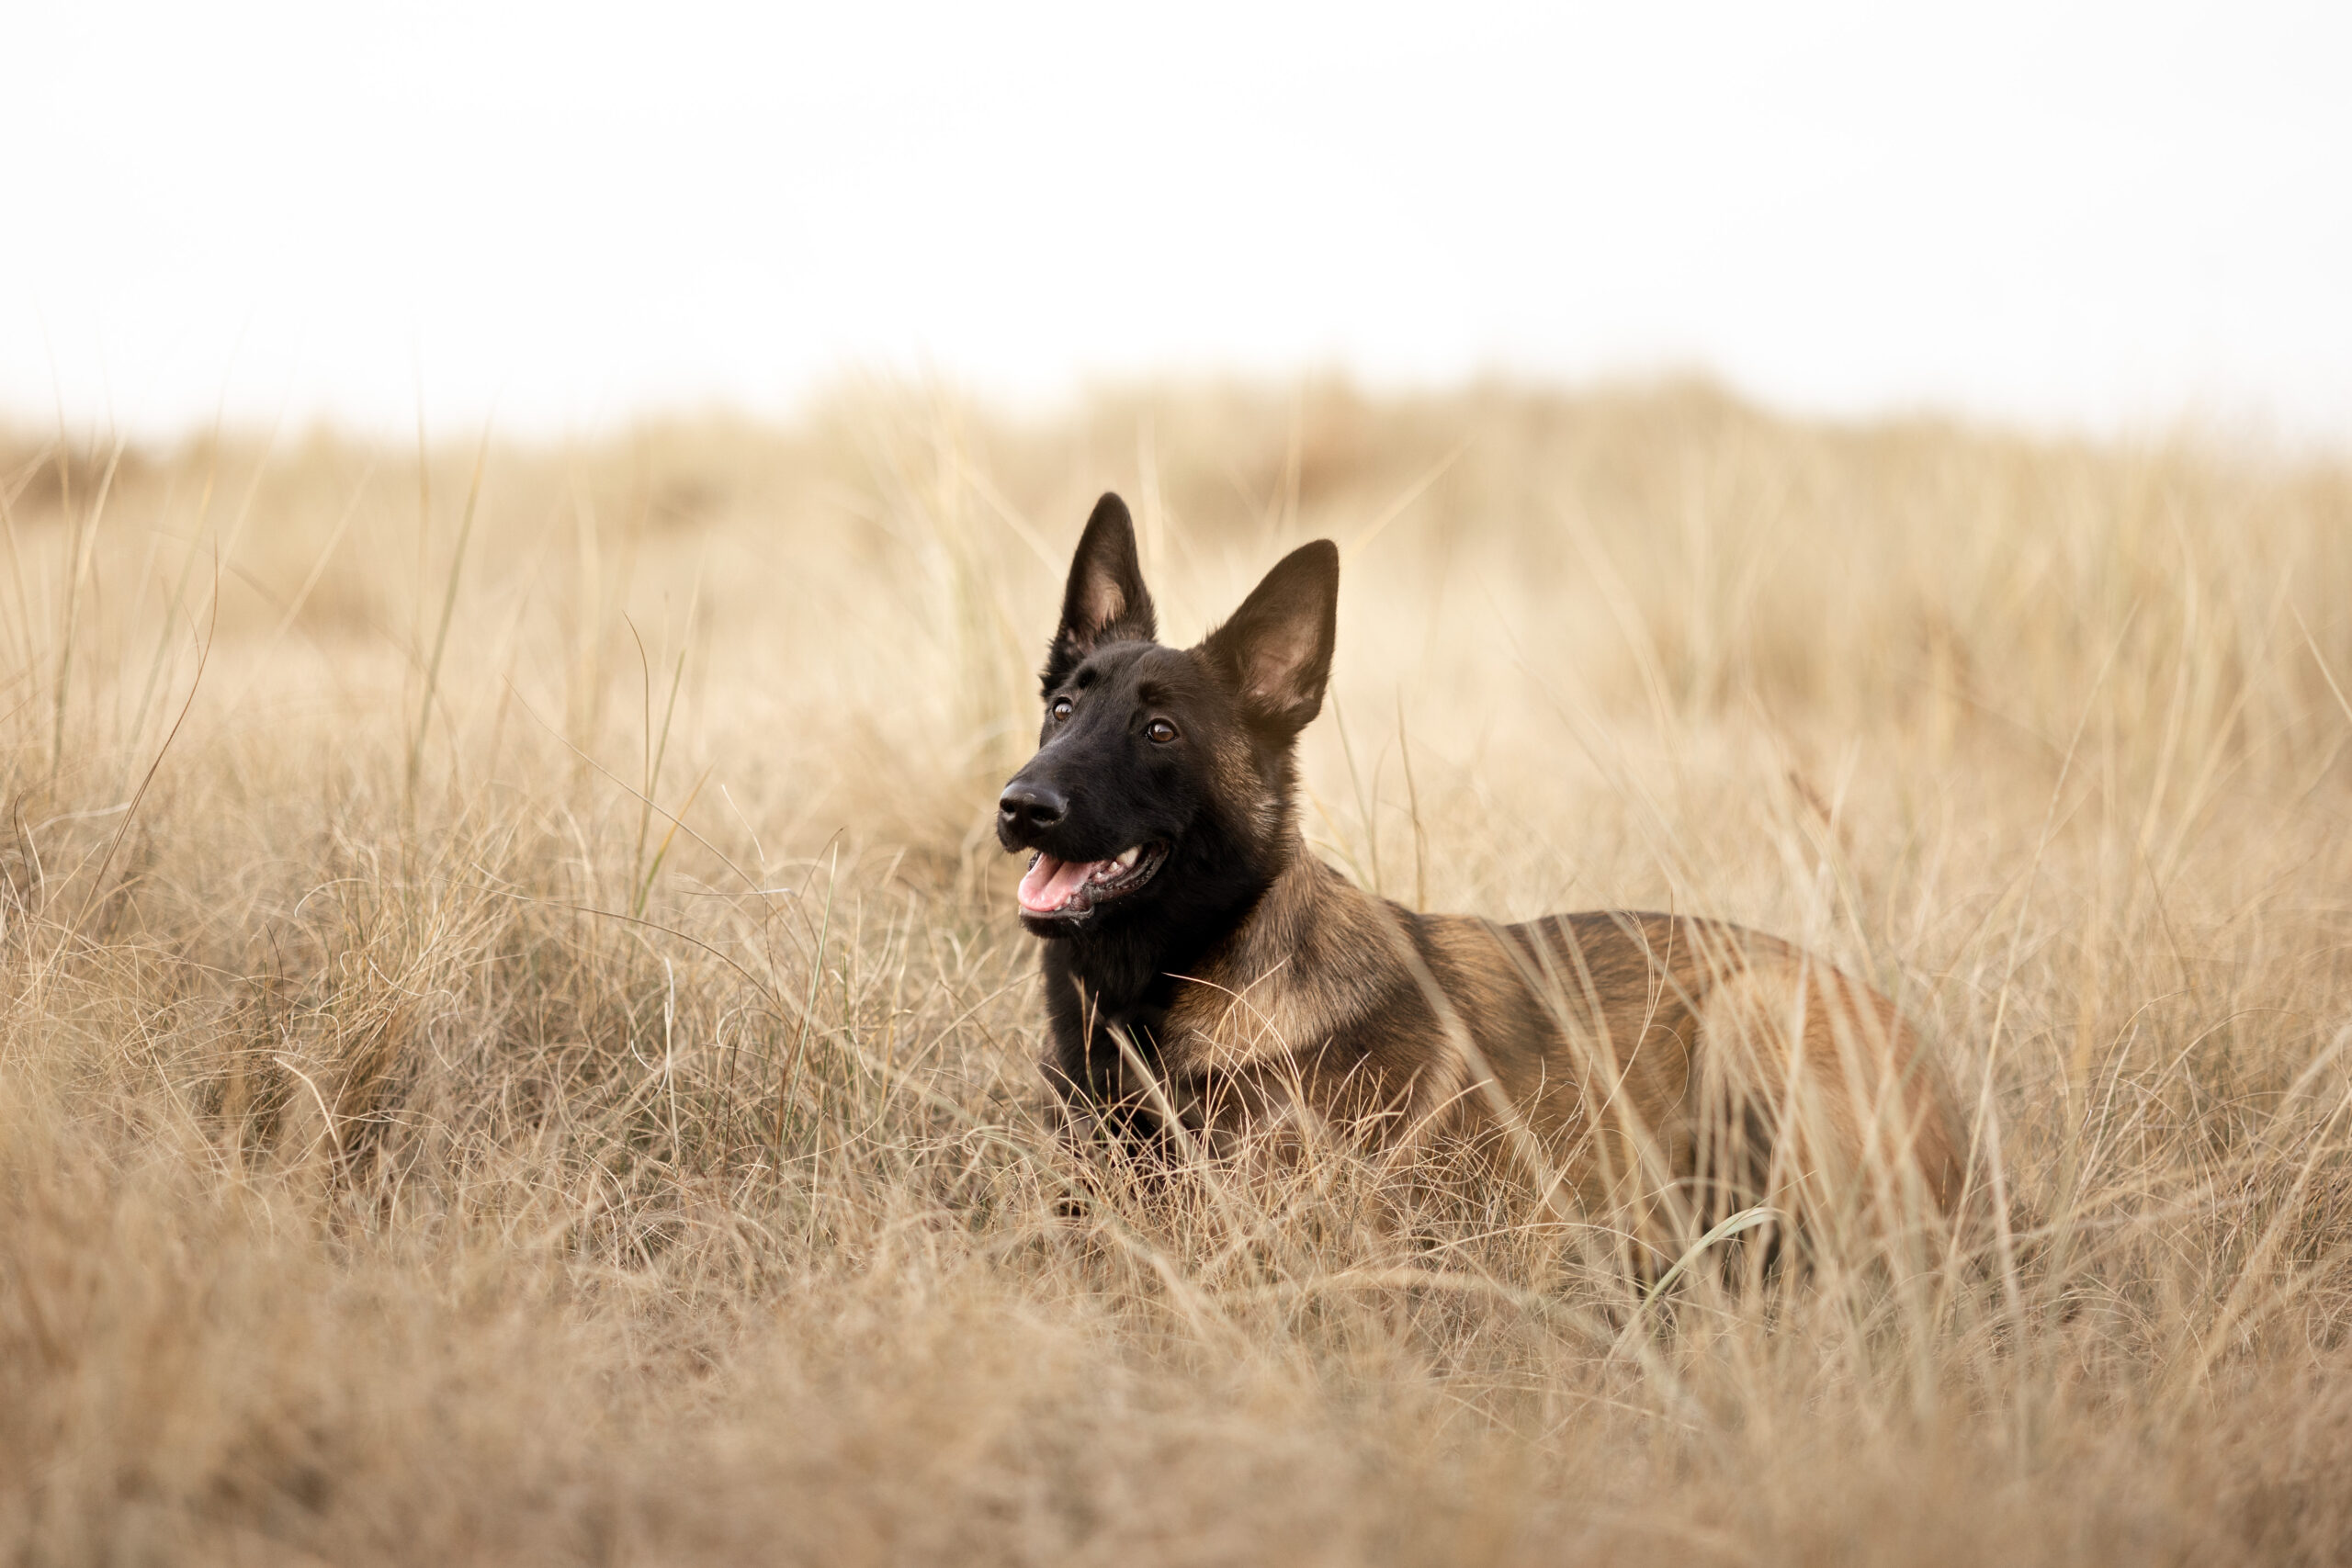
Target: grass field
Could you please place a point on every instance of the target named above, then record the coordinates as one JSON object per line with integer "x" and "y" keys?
{"x": 515, "y": 1046}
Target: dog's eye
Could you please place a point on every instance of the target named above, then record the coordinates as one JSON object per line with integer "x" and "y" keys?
{"x": 1162, "y": 731}
{"x": 1060, "y": 710}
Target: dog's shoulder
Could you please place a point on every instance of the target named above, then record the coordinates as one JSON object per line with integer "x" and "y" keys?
{"x": 1315, "y": 959}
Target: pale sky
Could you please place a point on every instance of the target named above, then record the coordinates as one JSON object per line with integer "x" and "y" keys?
{"x": 558, "y": 217}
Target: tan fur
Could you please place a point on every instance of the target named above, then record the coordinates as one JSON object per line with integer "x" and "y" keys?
{"x": 1664, "y": 1069}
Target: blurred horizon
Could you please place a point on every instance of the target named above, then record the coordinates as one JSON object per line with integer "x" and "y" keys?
{"x": 2093, "y": 222}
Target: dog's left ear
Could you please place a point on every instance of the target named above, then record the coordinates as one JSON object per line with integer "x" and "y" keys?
{"x": 1105, "y": 600}
{"x": 1276, "y": 651}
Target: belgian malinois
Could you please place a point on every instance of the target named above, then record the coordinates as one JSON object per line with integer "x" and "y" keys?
{"x": 1208, "y": 979}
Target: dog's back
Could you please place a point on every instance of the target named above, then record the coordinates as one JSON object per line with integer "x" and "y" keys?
{"x": 1664, "y": 1070}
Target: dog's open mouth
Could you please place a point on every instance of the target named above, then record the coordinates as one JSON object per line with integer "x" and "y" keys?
{"x": 1056, "y": 889}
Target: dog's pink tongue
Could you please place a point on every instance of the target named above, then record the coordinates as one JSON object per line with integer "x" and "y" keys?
{"x": 1050, "y": 883}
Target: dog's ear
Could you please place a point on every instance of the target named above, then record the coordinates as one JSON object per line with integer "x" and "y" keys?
{"x": 1106, "y": 600}
{"x": 1276, "y": 650}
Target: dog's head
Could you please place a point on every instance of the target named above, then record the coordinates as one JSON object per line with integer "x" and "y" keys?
{"x": 1163, "y": 779}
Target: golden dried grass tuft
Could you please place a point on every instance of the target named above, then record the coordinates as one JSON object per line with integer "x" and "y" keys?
{"x": 526, "y": 1057}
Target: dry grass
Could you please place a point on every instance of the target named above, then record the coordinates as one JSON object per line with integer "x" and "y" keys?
{"x": 416, "y": 1146}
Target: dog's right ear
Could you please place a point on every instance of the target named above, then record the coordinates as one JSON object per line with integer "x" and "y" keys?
{"x": 1106, "y": 600}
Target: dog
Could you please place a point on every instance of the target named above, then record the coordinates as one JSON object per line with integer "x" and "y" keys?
{"x": 1210, "y": 983}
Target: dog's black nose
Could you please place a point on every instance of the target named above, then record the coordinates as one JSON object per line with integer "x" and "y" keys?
{"x": 1025, "y": 809}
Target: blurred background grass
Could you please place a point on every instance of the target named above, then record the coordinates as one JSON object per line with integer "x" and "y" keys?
{"x": 516, "y": 1047}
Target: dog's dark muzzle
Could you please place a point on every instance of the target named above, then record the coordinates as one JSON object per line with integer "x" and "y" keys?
{"x": 1029, "y": 809}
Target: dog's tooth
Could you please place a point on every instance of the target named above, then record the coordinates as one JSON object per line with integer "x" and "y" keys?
{"x": 1129, "y": 858}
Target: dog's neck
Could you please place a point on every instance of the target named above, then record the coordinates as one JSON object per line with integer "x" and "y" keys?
{"x": 1218, "y": 891}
